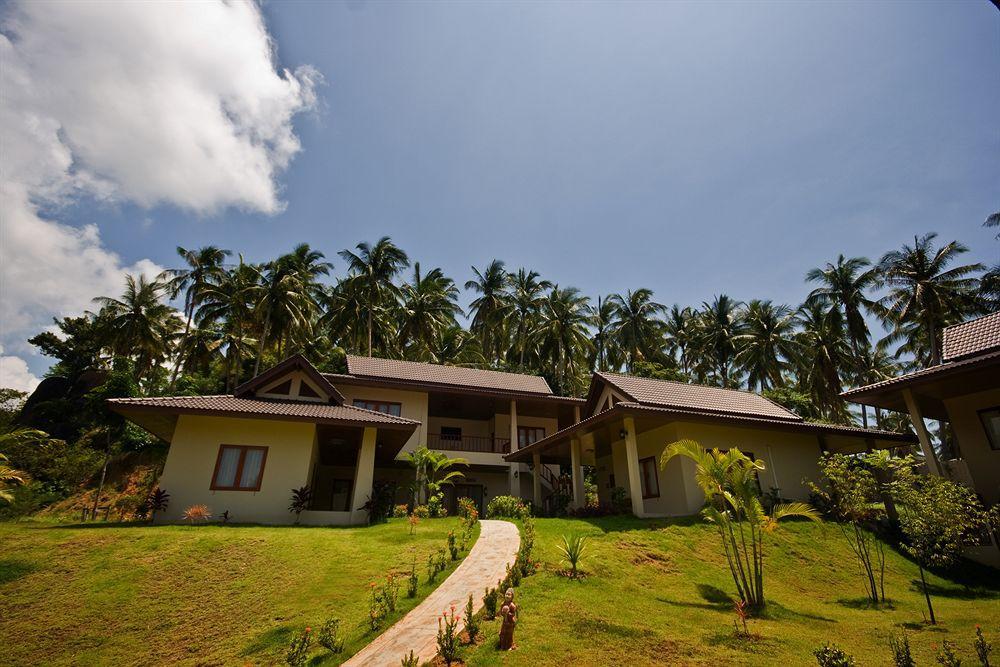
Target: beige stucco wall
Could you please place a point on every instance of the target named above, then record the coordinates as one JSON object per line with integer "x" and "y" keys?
{"x": 413, "y": 405}
{"x": 982, "y": 461}
{"x": 190, "y": 464}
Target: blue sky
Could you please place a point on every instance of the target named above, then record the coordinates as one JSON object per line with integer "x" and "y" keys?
{"x": 693, "y": 148}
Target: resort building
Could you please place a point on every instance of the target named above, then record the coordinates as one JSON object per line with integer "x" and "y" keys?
{"x": 293, "y": 426}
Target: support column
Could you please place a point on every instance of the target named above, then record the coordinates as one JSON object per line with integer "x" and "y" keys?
{"x": 923, "y": 436}
{"x": 514, "y": 490}
{"x": 576, "y": 470}
{"x": 576, "y": 414}
{"x": 364, "y": 475}
{"x": 536, "y": 480}
{"x": 632, "y": 459}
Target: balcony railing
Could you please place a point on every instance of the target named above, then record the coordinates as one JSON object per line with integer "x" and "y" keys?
{"x": 468, "y": 443}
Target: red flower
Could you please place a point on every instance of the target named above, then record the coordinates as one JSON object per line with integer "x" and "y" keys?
{"x": 308, "y": 630}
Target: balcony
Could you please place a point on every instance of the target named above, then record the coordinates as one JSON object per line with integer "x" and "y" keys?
{"x": 468, "y": 443}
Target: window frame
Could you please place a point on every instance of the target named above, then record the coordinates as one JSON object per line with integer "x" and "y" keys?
{"x": 527, "y": 429}
{"x": 372, "y": 402}
{"x": 994, "y": 446}
{"x": 239, "y": 468}
{"x": 656, "y": 478}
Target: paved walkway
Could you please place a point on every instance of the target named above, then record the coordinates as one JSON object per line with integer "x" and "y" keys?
{"x": 417, "y": 631}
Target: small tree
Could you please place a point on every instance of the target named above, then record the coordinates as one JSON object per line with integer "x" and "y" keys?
{"x": 938, "y": 518}
{"x": 301, "y": 498}
{"x": 157, "y": 502}
{"x": 852, "y": 493}
{"x": 729, "y": 482}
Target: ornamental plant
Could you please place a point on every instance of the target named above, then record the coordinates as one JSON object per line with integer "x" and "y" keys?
{"x": 507, "y": 507}
{"x": 390, "y": 592}
{"x": 410, "y": 660}
{"x": 431, "y": 568}
{"x": 399, "y": 511}
{"x": 471, "y": 623}
{"x": 411, "y": 582}
{"x": 729, "y": 482}
{"x": 467, "y": 510}
{"x": 901, "y": 651}
{"x": 832, "y": 656}
{"x": 377, "y": 609}
{"x": 328, "y": 636}
{"x": 447, "y": 637}
{"x": 983, "y": 648}
{"x": 197, "y": 513}
{"x": 946, "y": 655}
{"x": 572, "y": 550}
{"x": 157, "y": 501}
{"x": 441, "y": 562}
{"x": 452, "y": 545}
{"x": 301, "y": 498}
{"x": 298, "y": 650}
{"x": 490, "y": 597}
{"x": 413, "y": 521}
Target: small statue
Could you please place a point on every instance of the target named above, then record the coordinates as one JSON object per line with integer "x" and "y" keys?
{"x": 508, "y": 619}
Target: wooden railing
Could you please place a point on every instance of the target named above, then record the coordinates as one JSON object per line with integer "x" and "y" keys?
{"x": 468, "y": 443}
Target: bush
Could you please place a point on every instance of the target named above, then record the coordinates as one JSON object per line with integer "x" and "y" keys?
{"x": 197, "y": 513}
{"x": 901, "y": 651}
{"x": 422, "y": 512}
{"x": 435, "y": 504}
{"x": 983, "y": 647}
{"x": 412, "y": 582}
{"x": 471, "y": 623}
{"x": 467, "y": 509}
{"x": 380, "y": 502}
{"x": 410, "y": 660}
{"x": 390, "y": 592}
{"x": 946, "y": 655}
{"x": 831, "y": 656}
{"x": 399, "y": 512}
{"x": 490, "y": 598}
{"x": 298, "y": 650}
{"x": 452, "y": 545}
{"x": 620, "y": 502}
{"x": 572, "y": 550}
{"x": 447, "y": 637}
{"x": 328, "y": 636}
{"x": 507, "y": 507}
{"x": 377, "y": 608}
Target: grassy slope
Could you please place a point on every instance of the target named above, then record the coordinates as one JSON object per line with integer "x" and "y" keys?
{"x": 658, "y": 592}
{"x": 106, "y": 594}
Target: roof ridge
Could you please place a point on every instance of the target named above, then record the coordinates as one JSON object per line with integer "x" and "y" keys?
{"x": 437, "y": 365}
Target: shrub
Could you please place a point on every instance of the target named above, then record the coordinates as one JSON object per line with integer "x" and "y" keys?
{"x": 435, "y": 504}
{"x": 399, "y": 512}
{"x": 572, "y": 550}
{"x": 197, "y": 513}
{"x": 298, "y": 650}
{"x": 390, "y": 592}
{"x": 380, "y": 502}
{"x": 157, "y": 501}
{"x": 441, "y": 561}
{"x": 506, "y": 507}
{"x": 513, "y": 575}
{"x": 471, "y": 623}
{"x": 410, "y": 660}
{"x": 413, "y": 521}
{"x": 447, "y": 637}
{"x": 620, "y": 502}
{"x": 527, "y": 545}
{"x": 490, "y": 598}
{"x": 467, "y": 509}
{"x": 983, "y": 647}
{"x": 377, "y": 609}
{"x": 831, "y": 656}
{"x": 431, "y": 568}
{"x": 328, "y": 636}
{"x": 411, "y": 582}
{"x": 452, "y": 545}
{"x": 421, "y": 512}
{"x": 946, "y": 655}
{"x": 301, "y": 498}
{"x": 901, "y": 651}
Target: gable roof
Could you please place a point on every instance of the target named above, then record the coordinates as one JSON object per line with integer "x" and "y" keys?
{"x": 296, "y": 362}
{"x": 683, "y": 396}
{"x": 973, "y": 337}
{"x": 422, "y": 374}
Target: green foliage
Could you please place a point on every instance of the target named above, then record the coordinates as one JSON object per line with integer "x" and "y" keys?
{"x": 657, "y": 371}
{"x": 380, "y": 503}
{"x": 452, "y": 545}
{"x": 506, "y": 507}
{"x": 467, "y": 509}
{"x": 620, "y": 502}
{"x": 573, "y": 548}
{"x": 983, "y": 648}
{"x": 447, "y": 637}
{"x": 301, "y": 498}
{"x": 435, "y": 505}
{"x": 422, "y": 512}
{"x": 329, "y": 636}
{"x": 298, "y": 650}
{"x": 378, "y": 608}
{"x": 832, "y": 656}
{"x": 412, "y": 582}
{"x": 490, "y": 598}
{"x": 410, "y": 660}
{"x": 471, "y": 622}
{"x": 400, "y": 511}
{"x": 946, "y": 655}
{"x": 795, "y": 400}
{"x": 901, "y": 651}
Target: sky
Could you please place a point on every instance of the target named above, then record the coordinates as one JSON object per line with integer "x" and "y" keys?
{"x": 692, "y": 148}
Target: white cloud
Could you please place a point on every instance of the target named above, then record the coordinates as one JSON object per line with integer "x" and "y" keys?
{"x": 14, "y": 374}
{"x": 150, "y": 103}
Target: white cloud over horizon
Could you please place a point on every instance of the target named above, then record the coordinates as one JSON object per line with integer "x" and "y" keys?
{"x": 151, "y": 103}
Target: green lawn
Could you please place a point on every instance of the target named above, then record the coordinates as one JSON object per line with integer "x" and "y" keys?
{"x": 658, "y": 592}
{"x": 140, "y": 595}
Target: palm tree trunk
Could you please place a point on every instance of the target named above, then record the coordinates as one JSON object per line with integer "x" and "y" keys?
{"x": 187, "y": 329}
{"x": 369, "y": 330}
{"x": 260, "y": 345}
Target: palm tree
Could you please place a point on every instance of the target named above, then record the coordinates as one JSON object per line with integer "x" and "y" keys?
{"x": 491, "y": 308}
{"x": 923, "y": 291}
{"x": 428, "y": 306}
{"x": 454, "y": 346}
{"x": 602, "y": 317}
{"x": 280, "y": 302}
{"x": 719, "y": 326}
{"x": 729, "y": 482}
{"x": 637, "y": 329}
{"x": 766, "y": 344}
{"x": 562, "y": 337}
{"x": 679, "y": 328}
{"x": 138, "y": 324}
{"x": 372, "y": 270}
{"x": 993, "y": 220}
{"x": 228, "y": 305}
{"x": 823, "y": 351}
{"x": 527, "y": 293}
{"x": 204, "y": 268}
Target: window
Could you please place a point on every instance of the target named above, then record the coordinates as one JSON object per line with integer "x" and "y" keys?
{"x": 647, "y": 478}
{"x": 451, "y": 433}
{"x": 991, "y": 422}
{"x": 394, "y": 409}
{"x": 527, "y": 435}
{"x": 239, "y": 468}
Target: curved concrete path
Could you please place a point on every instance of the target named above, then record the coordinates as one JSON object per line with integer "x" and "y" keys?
{"x": 417, "y": 631}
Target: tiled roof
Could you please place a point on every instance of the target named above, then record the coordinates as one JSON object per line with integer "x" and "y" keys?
{"x": 933, "y": 371}
{"x": 972, "y": 337}
{"x": 225, "y": 404}
{"x": 420, "y": 373}
{"x": 665, "y": 393}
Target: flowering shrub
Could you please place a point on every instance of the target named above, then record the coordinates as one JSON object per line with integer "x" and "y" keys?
{"x": 298, "y": 650}
{"x": 524, "y": 561}
{"x": 431, "y": 568}
{"x": 467, "y": 509}
{"x": 411, "y": 582}
{"x": 471, "y": 623}
{"x": 447, "y": 637}
{"x": 452, "y": 545}
{"x": 435, "y": 505}
{"x": 399, "y": 511}
{"x": 901, "y": 651}
{"x": 441, "y": 561}
{"x": 507, "y": 507}
{"x": 390, "y": 592}
{"x": 414, "y": 520}
{"x": 197, "y": 513}
{"x": 490, "y": 602}
{"x": 831, "y": 656}
{"x": 421, "y": 512}
{"x": 946, "y": 655}
{"x": 983, "y": 648}
{"x": 328, "y": 636}
{"x": 377, "y": 609}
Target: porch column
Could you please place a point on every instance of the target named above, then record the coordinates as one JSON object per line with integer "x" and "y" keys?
{"x": 364, "y": 475}
{"x": 923, "y": 436}
{"x": 576, "y": 414}
{"x": 536, "y": 480}
{"x": 514, "y": 490}
{"x": 632, "y": 459}
{"x": 576, "y": 473}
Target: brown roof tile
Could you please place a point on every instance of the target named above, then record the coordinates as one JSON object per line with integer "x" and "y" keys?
{"x": 436, "y": 374}
{"x": 972, "y": 337}
{"x": 225, "y": 404}
{"x": 665, "y": 393}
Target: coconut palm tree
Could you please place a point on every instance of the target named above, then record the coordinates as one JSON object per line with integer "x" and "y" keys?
{"x": 138, "y": 324}
{"x": 605, "y": 357}
{"x": 679, "y": 327}
{"x": 637, "y": 327}
{"x": 204, "y": 268}
{"x": 729, "y": 481}
{"x": 562, "y": 337}
{"x": 372, "y": 270}
{"x": 491, "y": 308}
{"x": 925, "y": 292}
{"x": 527, "y": 293}
{"x": 281, "y": 303}
{"x": 228, "y": 305}
{"x": 766, "y": 345}
{"x": 428, "y": 306}
{"x": 993, "y": 220}
{"x": 823, "y": 351}
{"x": 719, "y": 326}
{"x": 454, "y": 346}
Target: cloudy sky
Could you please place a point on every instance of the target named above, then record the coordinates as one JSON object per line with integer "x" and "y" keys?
{"x": 691, "y": 148}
